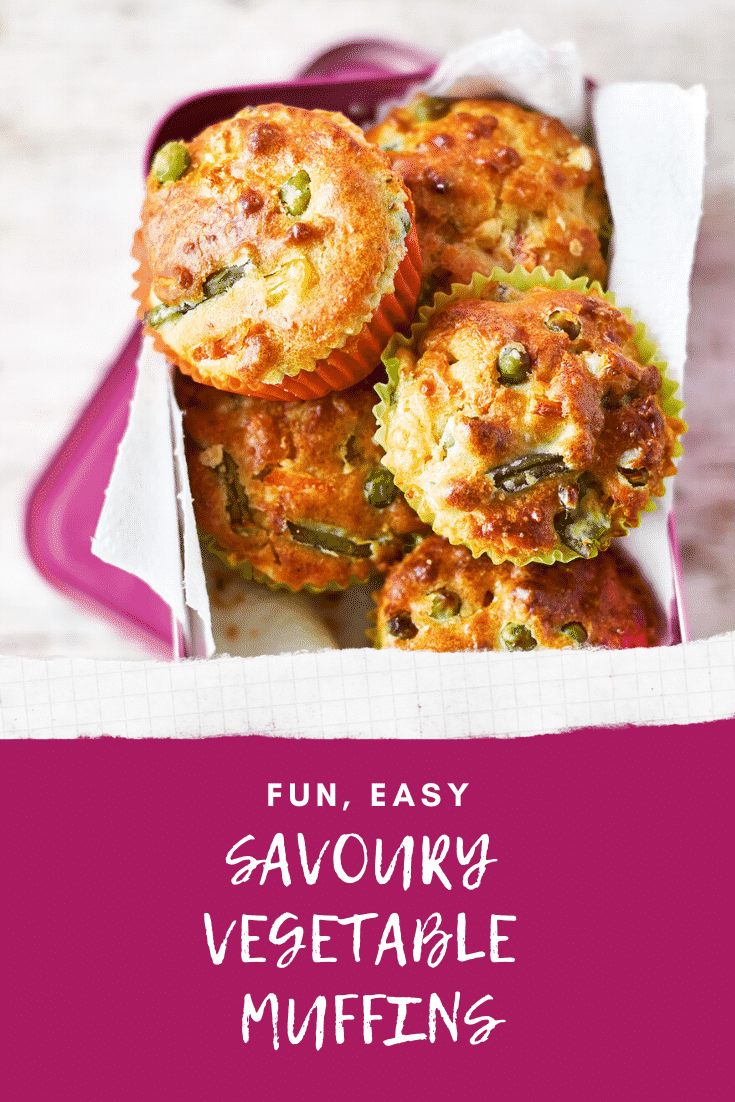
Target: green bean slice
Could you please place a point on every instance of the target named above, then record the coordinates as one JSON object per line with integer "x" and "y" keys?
{"x": 576, "y": 631}
{"x": 330, "y": 540}
{"x": 517, "y": 637}
{"x": 526, "y": 471}
{"x": 170, "y": 162}
{"x": 238, "y": 505}
{"x": 380, "y": 489}
{"x": 162, "y": 313}
{"x": 216, "y": 284}
{"x": 222, "y": 280}
{"x": 514, "y": 364}
{"x": 295, "y": 194}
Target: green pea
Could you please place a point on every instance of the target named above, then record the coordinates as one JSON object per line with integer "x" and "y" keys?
{"x": 526, "y": 471}
{"x": 583, "y": 534}
{"x": 295, "y": 194}
{"x": 170, "y": 162}
{"x": 327, "y": 539}
{"x": 514, "y": 364}
{"x": 429, "y": 108}
{"x": 238, "y": 505}
{"x": 401, "y": 626}
{"x": 222, "y": 280}
{"x": 380, "y": 489}
{"x": 163, "y": 313}
{"x": 517, "y": 637}
{"x": 575, "y": 631}
{"x": 445, "y": 604}
{"x": 562, "y": 321}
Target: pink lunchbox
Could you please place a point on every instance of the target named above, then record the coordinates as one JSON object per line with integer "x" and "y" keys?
{"x": 66, "y": 501}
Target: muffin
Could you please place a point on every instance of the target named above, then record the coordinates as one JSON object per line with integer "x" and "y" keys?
{"x": 277, "y": 253}
{"x": 527, "y": 423}
{"x": 440, "y": 598}
{"x": 496, "y": 184}
{"x": 293, "y": 493}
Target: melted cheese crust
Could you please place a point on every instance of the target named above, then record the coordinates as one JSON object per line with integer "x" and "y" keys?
{"x": 300, "y": 462}
{"x": 606, "y": 596}
{"x": 311, "y": 280}
{"x": 588, "y": 407}
{"x": 494, "y": 183}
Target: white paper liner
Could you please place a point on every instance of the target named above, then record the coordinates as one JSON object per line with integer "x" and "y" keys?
{"x": 510, "y": 64}
{"x": 147, "y": 527}
{"x": 138, "y": 529}
{"x": 651, "y": 143}
{"x": 250, "y": 619}
{"x": 197, "y": 626}
{"x": 650, "y": 138}
{"x": 655, "y": 194}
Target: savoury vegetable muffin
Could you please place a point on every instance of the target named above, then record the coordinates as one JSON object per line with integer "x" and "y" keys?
{"x": 440, "y": 598}
{"x": 494, "y": 183}
{"x": 528, "y": 428}
{"x": 277, "y": 253}
{"x": 293, "y": 492}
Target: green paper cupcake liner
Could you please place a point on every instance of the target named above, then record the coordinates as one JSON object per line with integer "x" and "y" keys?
{"x": 248, "y": 573}
{"x": 521, "y": 280}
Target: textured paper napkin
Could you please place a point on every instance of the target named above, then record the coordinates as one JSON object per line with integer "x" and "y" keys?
{"x": 370, "y": 694}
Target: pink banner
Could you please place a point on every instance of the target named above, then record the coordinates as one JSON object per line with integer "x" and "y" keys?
{"x": 183, "y": 923}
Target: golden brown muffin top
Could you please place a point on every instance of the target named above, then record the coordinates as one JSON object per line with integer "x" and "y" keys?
{"x": 296, "y": 489}
{"x": 529, "y": 426}
{"x": 273, "y": 246}
{"x": 440, "y": 598}
{"x": 494, "y": 183}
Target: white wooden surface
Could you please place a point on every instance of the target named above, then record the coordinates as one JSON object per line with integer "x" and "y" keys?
{"x": 82, "y": 85}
